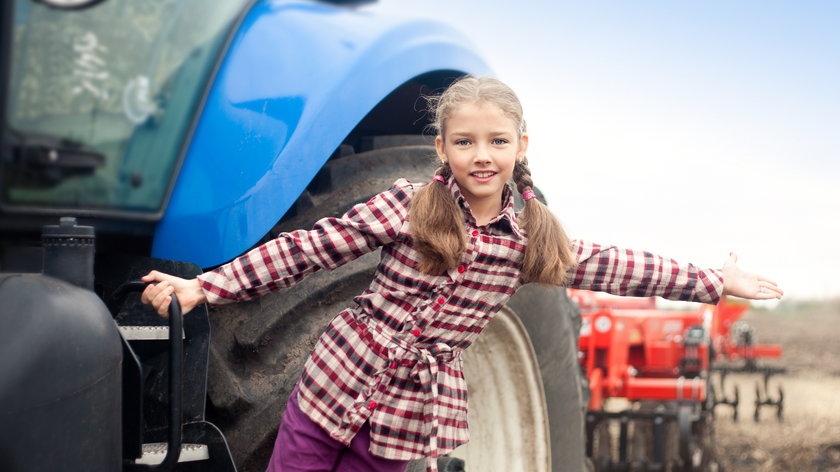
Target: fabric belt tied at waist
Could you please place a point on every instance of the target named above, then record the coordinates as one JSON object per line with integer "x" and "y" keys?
{"x": 426, "y": 370}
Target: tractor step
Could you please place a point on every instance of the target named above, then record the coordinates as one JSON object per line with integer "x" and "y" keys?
{"x": 146, "y": 333}
{"x": 154, "y": 453}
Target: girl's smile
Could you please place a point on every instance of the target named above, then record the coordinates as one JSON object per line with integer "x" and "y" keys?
{"x": 483, "y": 176}
{"x": 481, "y": 144}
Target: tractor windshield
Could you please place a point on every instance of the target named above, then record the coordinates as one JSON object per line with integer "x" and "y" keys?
{"x": 99, "y": 100}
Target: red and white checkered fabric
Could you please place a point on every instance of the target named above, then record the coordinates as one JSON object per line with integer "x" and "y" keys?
{"x": 394, "y": 359}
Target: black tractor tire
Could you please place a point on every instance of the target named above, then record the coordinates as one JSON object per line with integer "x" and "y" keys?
{"x": 259, "y": 347}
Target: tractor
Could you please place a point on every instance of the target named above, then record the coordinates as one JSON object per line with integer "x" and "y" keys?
{"x": 176, "y": 135}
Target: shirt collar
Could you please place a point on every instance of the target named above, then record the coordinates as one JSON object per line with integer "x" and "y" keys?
{"x": 506, "y": 217}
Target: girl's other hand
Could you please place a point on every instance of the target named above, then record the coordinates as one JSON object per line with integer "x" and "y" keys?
{"x": 742, "y": 284}
{"x": 161, "y": 286}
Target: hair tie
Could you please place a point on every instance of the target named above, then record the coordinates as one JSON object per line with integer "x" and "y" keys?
{"x": 528, "y": 194}
{"x": 439, "y": 178}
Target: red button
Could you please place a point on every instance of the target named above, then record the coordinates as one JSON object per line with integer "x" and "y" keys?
{"x": 441, "y": 300}
{"x": 393, "y": 365}
{"x": 372, "y": 405}
{"x": 475, "y": 232}
{"x": 462, "y": 269}
{"x": 416, "y": 332}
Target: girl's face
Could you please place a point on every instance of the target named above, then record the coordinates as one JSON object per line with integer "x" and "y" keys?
{"x": 481, "y": 145}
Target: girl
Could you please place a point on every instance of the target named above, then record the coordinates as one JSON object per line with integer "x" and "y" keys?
{"x": 383, "y": 384}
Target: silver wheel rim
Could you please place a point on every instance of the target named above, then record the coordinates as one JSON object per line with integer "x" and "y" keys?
{"x": 508, "y": 415}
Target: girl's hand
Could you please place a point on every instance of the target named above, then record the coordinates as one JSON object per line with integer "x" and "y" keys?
{"x": 158, "y": 294}
{"x": 742, "y": 284}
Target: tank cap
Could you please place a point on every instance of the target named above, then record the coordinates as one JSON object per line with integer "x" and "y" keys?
{"x": 67, "y": 227}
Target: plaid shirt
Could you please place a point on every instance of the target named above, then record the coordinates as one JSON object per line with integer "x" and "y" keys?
{"x": 394, "y": 359}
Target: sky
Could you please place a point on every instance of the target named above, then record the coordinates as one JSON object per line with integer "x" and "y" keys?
{"x": 689, "y": 129}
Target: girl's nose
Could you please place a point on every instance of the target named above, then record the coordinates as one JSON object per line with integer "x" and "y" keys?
{"x": 482, "y": 155}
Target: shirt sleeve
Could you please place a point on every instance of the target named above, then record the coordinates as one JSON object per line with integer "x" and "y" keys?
{"x": 290, "y": 257}
{"x": 642, "y": 274}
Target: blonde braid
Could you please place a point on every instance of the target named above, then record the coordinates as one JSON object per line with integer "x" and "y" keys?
{"x": 548, "y": 257}
{"x": 437, "y": 225}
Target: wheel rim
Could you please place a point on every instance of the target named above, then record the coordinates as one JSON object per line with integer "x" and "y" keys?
{"x": 508, "y": 415}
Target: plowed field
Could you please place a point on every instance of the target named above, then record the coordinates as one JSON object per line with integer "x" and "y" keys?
{"x": 808, "y": 437}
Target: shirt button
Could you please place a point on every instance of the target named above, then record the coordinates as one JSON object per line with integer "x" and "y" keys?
{"x": 416, "y": 332}
{"x": 372, "y": 405}
{"x": 393, "y": 365}
{"x": 462, "y": 269}
{"x": 475, "y": 232}
{"x": 441, "y": 300}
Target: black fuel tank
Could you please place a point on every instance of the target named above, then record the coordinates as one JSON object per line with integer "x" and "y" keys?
{"x": 60, "y": 378}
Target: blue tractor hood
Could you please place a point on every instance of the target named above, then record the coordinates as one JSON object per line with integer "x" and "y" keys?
{"x": 296, "y": 79}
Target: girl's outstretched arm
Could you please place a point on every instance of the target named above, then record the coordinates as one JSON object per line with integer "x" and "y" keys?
{"x": 742, "y": 284}
{"x": 643, "y": 274}
{"x": 161, "y": 286}
{"x": 291, "y": 257}
{"x": 619, "y": 271}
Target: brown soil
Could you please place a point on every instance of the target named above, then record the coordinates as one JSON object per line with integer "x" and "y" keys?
{"x": 808, "y": 437}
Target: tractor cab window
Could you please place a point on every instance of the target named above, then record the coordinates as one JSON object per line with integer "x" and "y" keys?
{"x": 99, "y": 100}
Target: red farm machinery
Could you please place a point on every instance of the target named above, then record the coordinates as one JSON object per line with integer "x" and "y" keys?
{"x": 650, "y": 373}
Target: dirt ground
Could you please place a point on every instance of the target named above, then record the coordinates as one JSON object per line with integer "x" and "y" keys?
{"x": 808, "y": 437}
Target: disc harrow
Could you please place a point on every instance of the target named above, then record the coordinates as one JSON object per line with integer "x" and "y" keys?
{"x": 652, "y": 390}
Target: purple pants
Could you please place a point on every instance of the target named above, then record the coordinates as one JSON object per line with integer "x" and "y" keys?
{"x": 303, "y": 446}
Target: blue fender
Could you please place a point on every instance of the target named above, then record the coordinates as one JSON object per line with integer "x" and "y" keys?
{"x": 296, "y": 79}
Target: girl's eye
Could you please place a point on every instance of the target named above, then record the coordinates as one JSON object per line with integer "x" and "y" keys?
{"x": 462, "y": 142}
{"x": 499, "y": 141}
